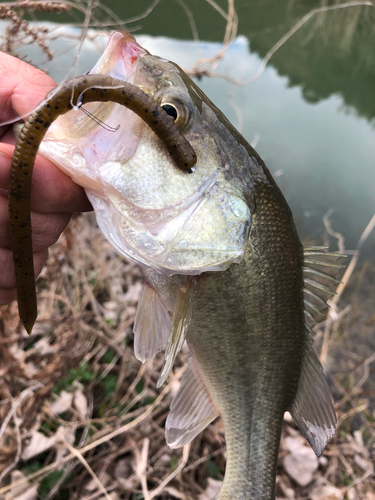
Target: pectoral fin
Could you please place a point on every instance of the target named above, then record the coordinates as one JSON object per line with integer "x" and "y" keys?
{"x": 191, "y": 410}
{"x": 312, "y": 409}
{"x": 151, "y": 325}
{"x": 179, "y": 327}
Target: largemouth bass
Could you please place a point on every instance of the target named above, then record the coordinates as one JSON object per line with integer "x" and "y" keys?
{"x": 224, "y": 267}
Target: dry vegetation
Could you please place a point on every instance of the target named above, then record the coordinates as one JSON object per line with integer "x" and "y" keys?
{"x": 80, "y": 417}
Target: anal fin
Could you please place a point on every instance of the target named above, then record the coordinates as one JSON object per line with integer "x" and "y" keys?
{"x": 191, "y": 410}
{"x": 312, "y": 409}
{"x": 151, "y": 325}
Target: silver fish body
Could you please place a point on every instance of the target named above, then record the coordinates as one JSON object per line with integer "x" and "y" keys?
{"x": 221, "y": 257}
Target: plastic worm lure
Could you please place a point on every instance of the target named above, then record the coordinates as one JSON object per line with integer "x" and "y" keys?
{"x": 80, "y": 90}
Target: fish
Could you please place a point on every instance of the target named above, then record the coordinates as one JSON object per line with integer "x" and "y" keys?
{"x": 223, "y": 264}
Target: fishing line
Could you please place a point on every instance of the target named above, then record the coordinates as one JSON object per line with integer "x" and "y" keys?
{"x": 97, "y": 120}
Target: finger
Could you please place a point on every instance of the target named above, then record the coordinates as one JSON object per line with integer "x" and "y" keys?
{"x": 46, "y": 228}
{"x": 7, "y": 296}
{"x": 9, "y": 136}
{"x": 22, "y": 87}
{"x": 7, "y": 277}
{"x": 52, "y": 191}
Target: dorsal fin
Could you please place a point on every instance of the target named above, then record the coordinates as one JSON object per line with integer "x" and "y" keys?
{"x": 191, "y": 409}
{"x": 151, "y": 325}
{"x": 312, "y": 409}
{"x": 179, "y": 327}
{"x": 321, "y": 272}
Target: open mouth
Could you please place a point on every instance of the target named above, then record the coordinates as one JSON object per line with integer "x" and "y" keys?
{"x": 120, "y": 57}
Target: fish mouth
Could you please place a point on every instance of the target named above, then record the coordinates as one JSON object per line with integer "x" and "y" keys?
{"x": 120, "y": 57}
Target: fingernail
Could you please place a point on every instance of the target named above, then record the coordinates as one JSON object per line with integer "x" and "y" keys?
{"x": 4, "y": 154}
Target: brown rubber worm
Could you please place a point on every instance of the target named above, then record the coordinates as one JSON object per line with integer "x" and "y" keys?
{"x": 80, "y": 90}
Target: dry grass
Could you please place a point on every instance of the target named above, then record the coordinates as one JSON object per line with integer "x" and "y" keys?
{"x": 19, "y": 27}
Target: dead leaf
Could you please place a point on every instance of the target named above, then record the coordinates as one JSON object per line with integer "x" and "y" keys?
{"x": 103, "y": 477}
{"x": 44, "y": 345}
{"x": 175, "y": 493}
{"x": 358, "y": 438}
{"x": 80, "y": 403}
{"x": 23, "y": 491}
{"x": 326, "y": 492}
{"x": 37, "y": 444}
{"x": 64, "y": 434}
{"x": 62, "y": 403}
{"x": 286, "y": 491}
{"x": 302, "y": 462}
{"x": 133, "y": 292}
{"x": 213, "y": 488}
{"x": 362, "y": 463}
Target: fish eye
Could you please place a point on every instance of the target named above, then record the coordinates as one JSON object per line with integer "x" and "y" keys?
{"x": 178, "y": 109}
{"x": 171, "y": 110}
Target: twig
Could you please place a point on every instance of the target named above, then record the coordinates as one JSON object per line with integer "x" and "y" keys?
{"x": 360, "y": 479}
{"x": 327, "y": 224}
{"x": 141, "y": 467}
{"x": 77, "y": 454}
{"x": 366, "y": 374}
{"x": 19, "y": 448}
{"x": 231, "y": 27}
{"x": 204, "y": 459}
{"x": 16, "y": 404}
{"x": 350, "y": 413}
{"x": 133, "y": 385}
{"x": 144, "y": 14}
{"x": 332, "y": 314}
{"x": 86, "y": 23}
{"x": 168, "y": 479}
{"x": 190, "y": 16}
{"x": 353, "y": 262}
{"x": 229, "y": 36}
{"x": 358, "y": 408}
{"x": 218, "y": 8}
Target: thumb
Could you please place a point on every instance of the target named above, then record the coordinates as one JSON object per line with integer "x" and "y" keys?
{"x": 22, "y": 87}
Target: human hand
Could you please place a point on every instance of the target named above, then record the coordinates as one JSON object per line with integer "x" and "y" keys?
{"x": 54, "y": 196}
